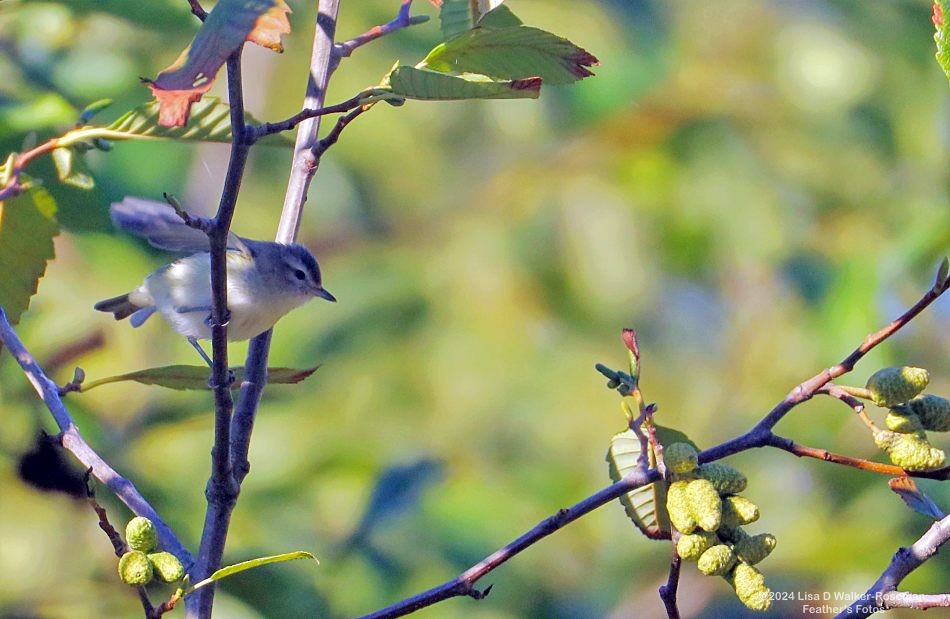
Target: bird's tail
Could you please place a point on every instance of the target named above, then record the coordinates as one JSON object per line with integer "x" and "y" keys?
{"x": 120, "y": 307}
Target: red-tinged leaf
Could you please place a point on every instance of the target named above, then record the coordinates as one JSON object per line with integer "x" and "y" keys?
{"x": 195, "y": 377}
{"x": 174, "y": 105}
{"x": 270, "y": 26}
{"x": 228, "y": 26}
{"x": 907, "y": 490}
{"x": 513, "y": 52}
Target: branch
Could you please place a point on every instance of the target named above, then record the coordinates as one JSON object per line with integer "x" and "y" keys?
{"x": 222, "y": 490}
{"x": 288, "y": 124}
{"x": 760, "y": 434}
{"x": 668, "y": 591}
{"x": 305, "y": 163}
{"x": 197, "y": 10}
{"x": 302, "y": 170}
{"x": 917, "y": 601}
{"x": 402, "y": 20}
{"x": 904, "y": 561}
{"x": 464, "y": 584}
{"x": 73, "y": 441}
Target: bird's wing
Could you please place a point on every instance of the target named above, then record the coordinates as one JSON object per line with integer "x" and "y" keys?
{"x": 160, "y": 225}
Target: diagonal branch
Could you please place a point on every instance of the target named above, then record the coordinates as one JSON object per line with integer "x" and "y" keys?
{"x": 464, "y": 584}
{"x": 402, "y": 20}
{"x": 73, "y": 441}
{"x": 760, "y": 434}
{"x": 904, "y": 561}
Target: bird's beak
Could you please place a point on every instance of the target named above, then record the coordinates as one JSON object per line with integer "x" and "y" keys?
{"x": 325, "y": 294}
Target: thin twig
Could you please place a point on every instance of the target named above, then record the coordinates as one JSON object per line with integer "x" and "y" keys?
{"x": 197, "y": 10}
{"x": 331, "y": 138}
{"x": 855, "y": 404}
{"x": 668, "y": 590}
{"x": 794, "y": 448}
{"x": 904, "y": 561}
{"x": 464, "y": 584}
{"x": 402, "y": 20}
{"x": 73, "y": 441}
{"x": 917, "y": 601}
{"x": 289, "y": 123}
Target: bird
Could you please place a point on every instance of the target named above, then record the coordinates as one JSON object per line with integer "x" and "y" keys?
{"x": 266, "y": 280}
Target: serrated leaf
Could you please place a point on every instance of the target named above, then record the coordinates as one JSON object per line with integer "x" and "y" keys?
{"x": 499, "y": 17}
{"x": 907, "y": 490}
{"x": 512, "y": 53}
{"x": 456, "y": 17}
{"x": 942, "y": 34}
{"x": 27, "y": 227}
{"x": 423, "y": 84}
{"x": 229, "y": 24}
{"x": 70, "y": 168}
{"x": 210, "y": 122}
{"x": 230, "y": 570}
{"x": 195, "y": 377}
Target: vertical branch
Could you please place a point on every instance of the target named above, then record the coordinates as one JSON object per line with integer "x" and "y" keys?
{"x": 305, "y": 161}
{"x": 303, "y": 168}
{"x": 222, "y": 490}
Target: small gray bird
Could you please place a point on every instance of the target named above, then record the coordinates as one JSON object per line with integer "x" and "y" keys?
{"x": 265, "y": 279}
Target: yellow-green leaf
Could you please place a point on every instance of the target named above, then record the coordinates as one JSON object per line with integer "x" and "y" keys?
{"x": 27, "y": 227}
{"x": 230, "y": 570}
{"x": 195, "y": 377}
{"x": 512, "y": 53}
{"x": 645, "y": 506}
{"x": 210, "y": 122}
{"x": 423, "y": 84}
{"x": 941, "y": 14}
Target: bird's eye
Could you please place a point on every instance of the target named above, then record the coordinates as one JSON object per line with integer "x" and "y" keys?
{"x": 300, "y": 274}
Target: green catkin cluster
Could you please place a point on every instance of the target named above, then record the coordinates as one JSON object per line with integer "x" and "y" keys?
{"x": 932, "y": 411}
{"x": 750, "y": 587}
{"x": 910, "y": 451}
{"x": 892, "y": 386}
{"x": 680, "y": 458}
{"x": 704, "y": 506}
{"x": 912, "y": 413}
{"x": 140, "y": 564}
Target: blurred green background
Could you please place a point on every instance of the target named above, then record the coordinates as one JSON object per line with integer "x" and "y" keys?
{"x": 753, "y": 186}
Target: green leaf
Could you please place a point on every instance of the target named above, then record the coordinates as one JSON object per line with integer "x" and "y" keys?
{"x": 499, "y": 17}
{"x": 423, "y": 84}
{"x": 71, "y": 169}
{"x": 645, "y": 506}
{"x": 512, "y": 53}
{"x": 210, "y": 122}
{"x": 456, "y": 17}
{"x": 942, "y": 34}
{"x": 27, "y": 227}
{"x": 195, "y": 377}
{"x": 230, "y": 570}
